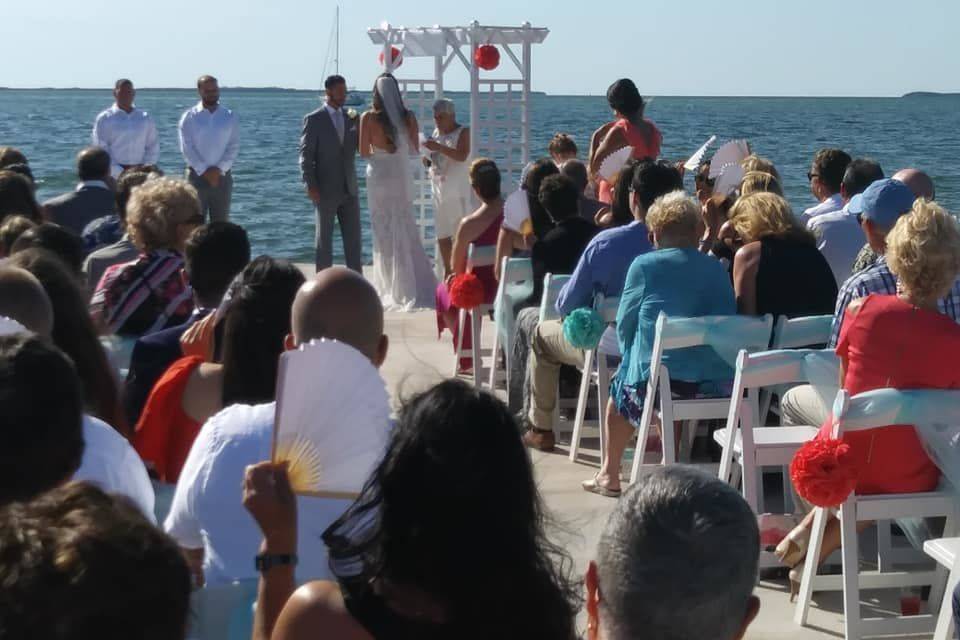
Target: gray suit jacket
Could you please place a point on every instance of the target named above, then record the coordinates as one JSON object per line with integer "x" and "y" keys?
{"x": 76, "y": 209}
{"x": 325, "y": 163}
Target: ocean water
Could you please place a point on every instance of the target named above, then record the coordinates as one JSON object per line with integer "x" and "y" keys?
{"x": 50, "y": 126}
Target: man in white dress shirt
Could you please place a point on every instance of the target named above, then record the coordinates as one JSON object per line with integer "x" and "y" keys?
{"x": 209, "y": 141}
{"x": 825, "y": 176}
{"x": 127, "y": 133}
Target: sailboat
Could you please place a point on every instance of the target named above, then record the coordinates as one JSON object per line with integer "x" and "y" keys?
{"x": 354, "y": 99}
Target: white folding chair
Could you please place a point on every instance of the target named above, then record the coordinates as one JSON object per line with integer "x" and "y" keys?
{"x": 745, "y": 440}
{"x": 870, "y": 410}
{"x": 223, "y": 612}
{"x": 552, "y": 286}
{"x": 485, "y": 256}
{"x": 119, "y": 350}
{"x": 607, "y": 308}
{"x": 795, "y": 333}
{"x": 516, "y": 281}
{"x": 946, "y": 551}
{"x": 730, "y": 333}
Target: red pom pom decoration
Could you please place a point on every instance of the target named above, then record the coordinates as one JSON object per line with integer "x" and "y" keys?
{"x": 823, "y": 472}
{"x": 487, "y": 57}
{"x": 396, "y": 57}
{"x": 466, "y": 291}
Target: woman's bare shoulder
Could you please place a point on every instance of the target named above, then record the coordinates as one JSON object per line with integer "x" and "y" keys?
{"x": 317, "y": 605}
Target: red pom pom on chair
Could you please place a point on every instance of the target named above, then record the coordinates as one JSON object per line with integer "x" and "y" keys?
{"x": 823, "y": 473}
{"x": 467, "y": 291}
{"x": 396, "y": 57}
{"x": 487, "y": 57}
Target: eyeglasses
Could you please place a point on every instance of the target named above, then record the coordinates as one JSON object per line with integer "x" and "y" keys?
{"x": 811, "y": 176}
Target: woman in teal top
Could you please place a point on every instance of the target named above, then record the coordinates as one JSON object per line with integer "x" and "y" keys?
{"x": 682, "y": 282}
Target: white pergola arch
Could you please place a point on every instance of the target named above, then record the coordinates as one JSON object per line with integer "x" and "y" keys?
{"x": 499, "y": 107}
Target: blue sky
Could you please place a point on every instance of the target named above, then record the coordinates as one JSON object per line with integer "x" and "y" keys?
{"x": 669, "y": 47}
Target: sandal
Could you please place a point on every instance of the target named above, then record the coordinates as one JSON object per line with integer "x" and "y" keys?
{"x": 793, "y": 549}
{"x": 593, "y": 486}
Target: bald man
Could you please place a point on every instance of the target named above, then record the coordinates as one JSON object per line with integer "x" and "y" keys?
{"x": 207, "y": 517}
{"x": 23, "y": 298}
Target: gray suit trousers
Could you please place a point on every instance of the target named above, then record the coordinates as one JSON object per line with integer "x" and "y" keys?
{"x": 347, "y": 212}
{"x": 214, "y": 201}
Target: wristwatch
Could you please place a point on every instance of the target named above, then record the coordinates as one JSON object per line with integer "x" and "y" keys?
{"x": 266, "y": 561}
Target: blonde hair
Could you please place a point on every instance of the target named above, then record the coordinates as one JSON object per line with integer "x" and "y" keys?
{"x": 156, "y": 208}
{"x": 760, "y": 182}
{"x": 753, "y": 162}
{"x": 923, "y": 250}
{"x": 675, "y": 215}
{"x": 764, "y": 215}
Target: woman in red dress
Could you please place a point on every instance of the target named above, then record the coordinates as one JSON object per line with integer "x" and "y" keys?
{"x": 903, "y": 342}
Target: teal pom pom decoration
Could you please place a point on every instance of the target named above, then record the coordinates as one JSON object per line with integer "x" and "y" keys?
{"x": 583, "y": 328}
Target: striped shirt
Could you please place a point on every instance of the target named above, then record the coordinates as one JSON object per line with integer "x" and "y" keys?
{"x": 878, "y": 279}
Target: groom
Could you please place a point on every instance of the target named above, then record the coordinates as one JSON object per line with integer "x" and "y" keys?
{"x": 328, "y": 146}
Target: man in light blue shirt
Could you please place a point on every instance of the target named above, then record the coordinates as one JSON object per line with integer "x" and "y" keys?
{"x": 602, "y": 269}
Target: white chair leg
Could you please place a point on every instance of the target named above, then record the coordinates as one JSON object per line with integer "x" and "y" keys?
{"x": 942, "y": 589}
{"x": 646, "y": 417}
{"x": 476, "y": 320}
{"x": 750, "y": 483}
{"x": 884, "y": 546}
{"x": 496, "y": 360}
{"x": 581, "y": 405}
{"x": 603, "y": 395}
{"x": 851, "y": 569}
{"x": 458, "y": 352}
{"x": 944, "y": 629}
{"x": 810, "y": 568}
{"x": 667, "y": 429}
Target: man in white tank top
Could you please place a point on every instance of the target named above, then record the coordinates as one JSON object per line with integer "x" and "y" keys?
{"x": 449, "y": 172}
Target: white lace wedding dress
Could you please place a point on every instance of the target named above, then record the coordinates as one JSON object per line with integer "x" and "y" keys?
{"x": 402, "y": 273}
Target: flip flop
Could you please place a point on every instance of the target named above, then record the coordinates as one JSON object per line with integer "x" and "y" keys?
{"x": 593, "y": 486}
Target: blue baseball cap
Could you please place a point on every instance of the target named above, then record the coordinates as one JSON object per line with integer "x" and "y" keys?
{"x": 883, "y": 202}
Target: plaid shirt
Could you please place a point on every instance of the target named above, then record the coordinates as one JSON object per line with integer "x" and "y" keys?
{"x": 880, "y": 280}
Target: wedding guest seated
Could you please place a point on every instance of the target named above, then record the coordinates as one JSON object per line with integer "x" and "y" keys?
{"x": 778, "y": 270}
{"x": 480, "y": 228}
{"x": 557, "y": 253}
{"x": 511, "y": 240}
{"x": 11, "y": 155}
{"x": 703, "y": 183}
{"x": 601, "y": 269}
{"x": 11, "y": 229}
{"x": 16, "y": 197}
{"x": 214, "y": 254}
{"x": 80, "y": 564}
{"x": 677, "y": 560}
{"x": 902, "y": 341}
{"x": 619, "y": 211}
{"x": 577, "y": 172}
{"x": 682, "y": 282}
{"x": 92, "y": 198}
{"x": 455, "y": 476}
{"x": 58, "y": 240}
{"x": 24, "y": 170}
{"x": 22, "y": 298}
{"x": 562, "y": 148}
{"x": 148, "y": 294}
{"x": 121, "y": 249}
{"x": 207, "y": 518}
{"x": 74, "y": 333}
{"x": 922, "y": 187}
{"x": 256, "y": 322}
{"x": 826, "y": 176}
{"x": 838, "y": 234}
{"x": 753, "y": 162}
{"x": 759, "y": 182}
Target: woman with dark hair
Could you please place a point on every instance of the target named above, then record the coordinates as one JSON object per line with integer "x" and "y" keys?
{"x": 619, "y": 212}
{"x": 56, "y": 239}
{"x": 255, "y": 327}
{"x": 16, "y": 197}
{"x": 74, "y": 333}
{"x": 631, "y": 129}
{"x": 455, "y": 483}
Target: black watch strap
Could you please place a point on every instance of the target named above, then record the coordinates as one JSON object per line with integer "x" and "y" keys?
{"x": 265, "y": 561}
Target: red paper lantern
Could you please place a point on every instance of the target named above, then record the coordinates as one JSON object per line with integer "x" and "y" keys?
{"x": 396, "y": 57}
{"x": 466, "y": 291}
{"x": 823, "y": 472}
{"x": 487, "y": 57}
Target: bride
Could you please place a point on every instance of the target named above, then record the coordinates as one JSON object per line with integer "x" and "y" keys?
{"x": 402, "y": 273}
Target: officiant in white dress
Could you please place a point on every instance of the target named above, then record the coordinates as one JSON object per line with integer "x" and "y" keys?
{"x": 449, "y": 148}
{"x": 402, "y": 273}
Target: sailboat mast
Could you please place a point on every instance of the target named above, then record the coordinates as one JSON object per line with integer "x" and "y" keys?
{"x": 337, "y": 59}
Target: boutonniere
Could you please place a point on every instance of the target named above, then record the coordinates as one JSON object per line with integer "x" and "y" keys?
{"x": 351, "y": 113}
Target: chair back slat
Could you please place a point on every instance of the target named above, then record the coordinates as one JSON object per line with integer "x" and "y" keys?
{"x": 481, "y": 256}
{"x": 792, "y": 333}
{"x": 552, "y": 285}
{"x": 749, "y": 332}
{"x": 607, "y": 308}
{"x": 786, "y": 366}
{"x": 883, "y": 407}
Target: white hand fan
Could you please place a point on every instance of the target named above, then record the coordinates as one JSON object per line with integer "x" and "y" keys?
{"x": 612, "y": 164}
{"x": 332, "y": 421}
{"x": 731, "y": 174}
{"x": 732, "y": 152}
{"x": 10, "y": 327}
{"x": 516, "y": 212}
{"x": 697, "y": 157}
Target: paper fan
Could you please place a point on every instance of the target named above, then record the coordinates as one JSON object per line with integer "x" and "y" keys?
{"x": 516, "y": 211}
{"x": 10, "y": 327}
{"x": 732, "y": 152}
{"x": 731, "y": 174}
{"x": 332, "y": 420}
{"x": 697, "y": 157}
{"x": 612, "y": 164}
